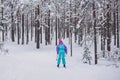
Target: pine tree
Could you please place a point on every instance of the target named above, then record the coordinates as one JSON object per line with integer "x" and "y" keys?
{"x": 86, "y": 56}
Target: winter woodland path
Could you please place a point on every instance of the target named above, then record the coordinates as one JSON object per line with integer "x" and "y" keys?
{"x": 28, "y": 63}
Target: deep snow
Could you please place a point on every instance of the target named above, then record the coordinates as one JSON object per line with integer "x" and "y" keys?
{"x": 25, "y": 62}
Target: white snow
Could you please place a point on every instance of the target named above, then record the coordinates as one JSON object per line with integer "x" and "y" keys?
{"x": 25, "y": 62}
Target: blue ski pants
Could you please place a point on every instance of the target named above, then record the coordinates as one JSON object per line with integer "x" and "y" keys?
{"x": 61, "y": 56}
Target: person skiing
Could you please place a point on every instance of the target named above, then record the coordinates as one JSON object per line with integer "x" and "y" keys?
{"x": 61, "y": 50}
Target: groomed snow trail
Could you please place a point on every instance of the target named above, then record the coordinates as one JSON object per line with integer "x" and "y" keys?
{"x": 28, "y": 63}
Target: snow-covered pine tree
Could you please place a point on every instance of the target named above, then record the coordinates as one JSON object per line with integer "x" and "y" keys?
{"x": 2, "y": 49}
{"x": 1, "y": 44}
{"x": 86, "y": 55}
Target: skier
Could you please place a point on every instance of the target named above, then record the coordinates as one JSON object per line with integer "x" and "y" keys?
{"x": 61, "y": 50}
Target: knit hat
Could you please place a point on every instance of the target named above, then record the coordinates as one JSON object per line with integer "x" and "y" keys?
{"x": 60, "y": 41}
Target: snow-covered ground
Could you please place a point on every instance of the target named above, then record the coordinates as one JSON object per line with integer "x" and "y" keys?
{"x": 25, "y": 62}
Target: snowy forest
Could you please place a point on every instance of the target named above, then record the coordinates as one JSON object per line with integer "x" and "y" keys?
{"x": 91, "y": 25}
{"x": 85, "y": 20}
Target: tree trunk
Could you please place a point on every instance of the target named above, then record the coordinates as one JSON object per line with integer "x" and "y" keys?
{"x": 59, "y": 29}
{"x": 108, "y": 29}
{"x": 118, "y": 37}
{"x": 94, "y": 26}
{"x": 38, "y": 35}
{"x": 27, "y": 35}
{"x": 75, "y": 33}
{"x": 38, "y": 30}
{"x": 41, "y": 30}
{"x": 71, "y": 42}
{"x": 56, "y": 30}
{"x": 103, "y": 40}
{"x": 70, "y": 29}
{"x": 18, "y": 27}
{"x": 31, "y": 27}
{"x": 114, "y": 23}
{"x": 23, "y": 28}
{"x": 18, "y": 33}
{"x": 104, "y": 35}
{"x": 2, "y": 24}
{"x": 36, "y": 13}
{"x": 48, "y": 33}
{"x": 12, "y": 25}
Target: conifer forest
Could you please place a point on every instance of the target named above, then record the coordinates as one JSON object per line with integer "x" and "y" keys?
{"x": 86, "y": 23}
